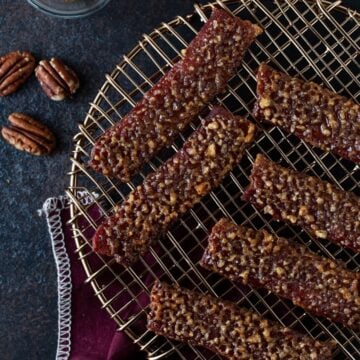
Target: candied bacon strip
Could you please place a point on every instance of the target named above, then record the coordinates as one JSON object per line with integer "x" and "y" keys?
{"x": 209, "y": 62}
{"x": 319, "y": 207}
{"x": 206, "y": 157}
{"x": 226, "y": 329}
{"x": 319, "y": 285}
{"x": 313, "y": 113}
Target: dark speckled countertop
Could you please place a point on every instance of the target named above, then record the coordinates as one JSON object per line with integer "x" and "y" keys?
{"x": 92, "y": 46}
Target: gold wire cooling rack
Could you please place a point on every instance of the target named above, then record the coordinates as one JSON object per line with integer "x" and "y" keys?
{"x": 319, "y": 40}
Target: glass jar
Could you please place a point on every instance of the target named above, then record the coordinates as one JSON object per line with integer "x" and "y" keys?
{"x": 68, "y": 8}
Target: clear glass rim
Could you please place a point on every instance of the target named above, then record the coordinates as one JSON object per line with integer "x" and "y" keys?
{"x": 67, "y": 14}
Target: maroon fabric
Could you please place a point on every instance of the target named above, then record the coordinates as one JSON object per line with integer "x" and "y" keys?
{"x": 94, "y": 334}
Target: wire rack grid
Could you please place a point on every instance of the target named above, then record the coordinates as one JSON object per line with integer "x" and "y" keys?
{"x": 318, "y": 40}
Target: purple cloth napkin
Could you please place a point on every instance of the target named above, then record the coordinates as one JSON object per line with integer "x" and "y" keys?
{"x": 86, "y": 332}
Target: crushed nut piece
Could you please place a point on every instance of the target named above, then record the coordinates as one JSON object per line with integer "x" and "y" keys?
{"x": 211, "y": 151}
{"x": 321, "y": 234}
{"x": 202, "y": 188}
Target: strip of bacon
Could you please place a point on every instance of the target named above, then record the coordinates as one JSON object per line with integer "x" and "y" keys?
{"x": 319, "y": 285}
{"x": 319, "y": 207}
{"x": 226, "y": 329}
{"x": 206, "y": 157}
{"x": 313, "y": 113}
{"x": 209, "y": 62}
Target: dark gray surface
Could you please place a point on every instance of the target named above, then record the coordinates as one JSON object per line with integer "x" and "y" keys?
{"x": 28, "y": 299}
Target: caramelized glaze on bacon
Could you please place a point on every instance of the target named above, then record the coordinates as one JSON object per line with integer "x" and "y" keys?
{"x": 313, "y": 113}
{"x": 319, "y": 207}
{"x": 226, "y": 329}
{"x": 209, "y": 62}
{"x": 206, "y": 157}
{"x": 321, "y": 286}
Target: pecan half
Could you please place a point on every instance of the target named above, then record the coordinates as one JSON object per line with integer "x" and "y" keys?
{"x": 57, "y": 79}
{"x": 28, "y": 134}
{"x": 15, "y": 68}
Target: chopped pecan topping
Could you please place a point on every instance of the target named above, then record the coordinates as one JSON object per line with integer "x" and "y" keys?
{"x": 313, "y": 113}
{"x": 321, "y": 208}
{"x": 226, "y": 329}
{"x": 175, "y": 187}
{"x": 321, "y": 286}
{"x": 209, "y": 62}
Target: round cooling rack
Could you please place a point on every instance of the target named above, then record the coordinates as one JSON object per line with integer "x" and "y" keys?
{"x": 317, "y": 40}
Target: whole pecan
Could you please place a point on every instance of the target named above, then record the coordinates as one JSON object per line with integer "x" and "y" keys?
{"x": 28, "y": 134}
{"x": 15, "y": 68}
{"x": 57, "y": 80}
